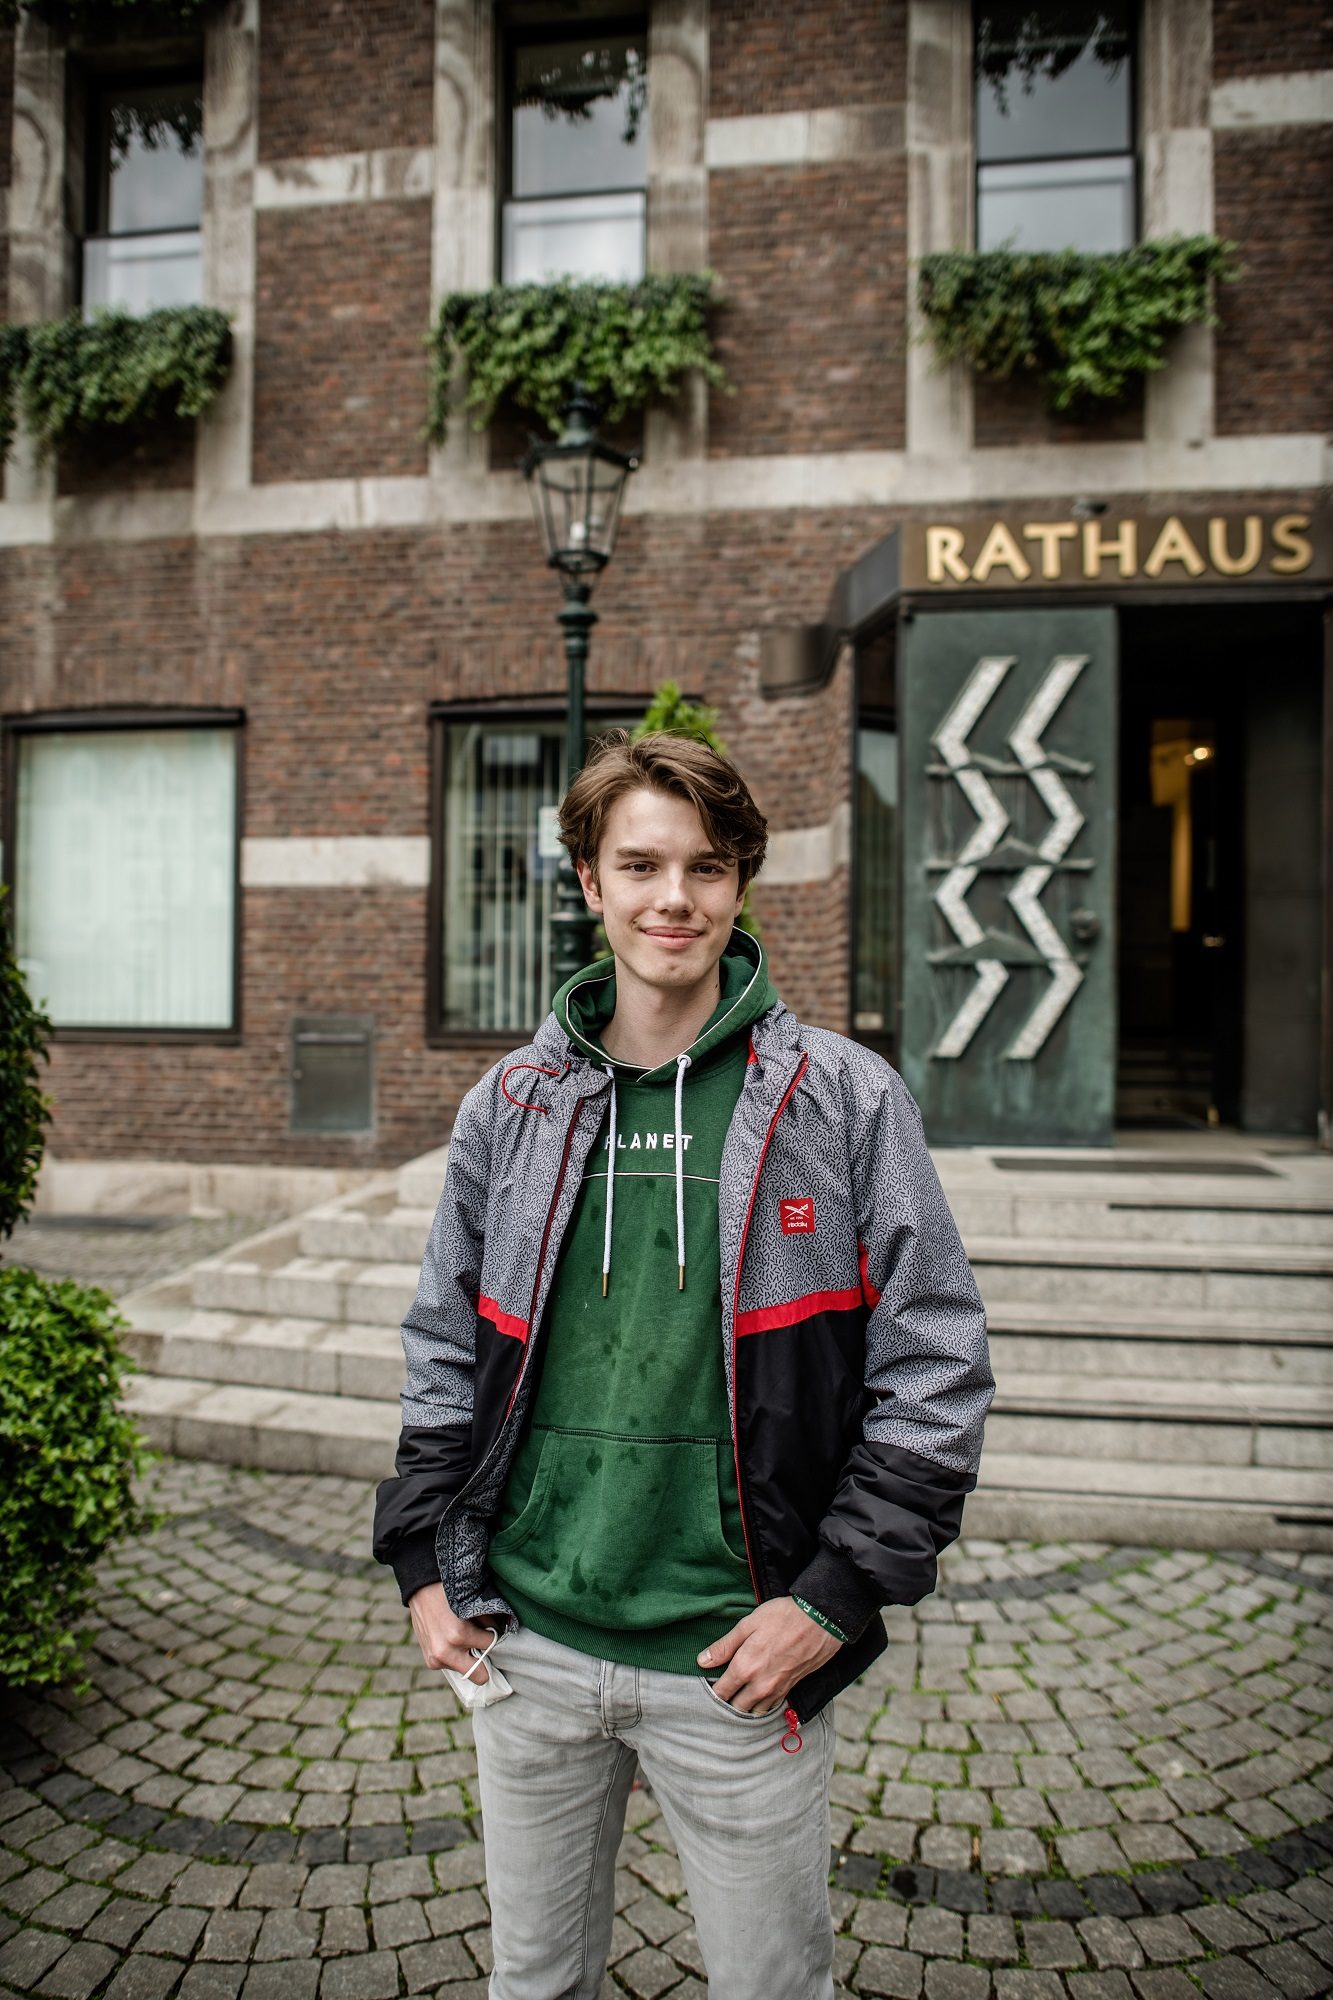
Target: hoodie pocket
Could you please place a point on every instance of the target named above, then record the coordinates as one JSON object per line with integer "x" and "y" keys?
{"x": 622, "y": 1531}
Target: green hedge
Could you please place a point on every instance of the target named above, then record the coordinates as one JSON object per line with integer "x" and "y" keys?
{"x": 68, "y": 1456}
{"x": 71, "y": 377}
{"x": 1087, "y": 326}
{"x": 529, "y": 345}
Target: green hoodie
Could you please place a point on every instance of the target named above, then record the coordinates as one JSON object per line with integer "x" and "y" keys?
{"x": 620, "y": 1533}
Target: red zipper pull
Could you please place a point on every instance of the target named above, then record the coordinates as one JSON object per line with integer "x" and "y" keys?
{"x": 793, "y": 1740}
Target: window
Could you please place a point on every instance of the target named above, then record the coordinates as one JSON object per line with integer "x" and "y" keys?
{"x": 145, "y": 197}
{"x": 875, "y": 1002}
{"x": 1055, "y": 126}
{"x": 501, "y": 776}
{"x": 124, "y": 874}
{"x": 577, "y": 144}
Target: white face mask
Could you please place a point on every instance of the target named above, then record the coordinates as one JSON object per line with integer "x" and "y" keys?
{"x": 476, "y": 1694}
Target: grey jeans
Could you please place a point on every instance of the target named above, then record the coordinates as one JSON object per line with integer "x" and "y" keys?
{"x": 750, "y": 1822}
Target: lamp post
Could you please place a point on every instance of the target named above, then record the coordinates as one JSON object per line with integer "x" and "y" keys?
{"x": 577, "y": 484}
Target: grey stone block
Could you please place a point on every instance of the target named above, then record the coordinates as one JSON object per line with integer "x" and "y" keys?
{"x": 945, "y": 1981}
{"x": 173, "y": 1933}
{"x": 287, "y": 1934}
{"x": 896, "y": 1974}
{"x": 426, "y": 1966}
{"x": 28, "y": 1956}
{"x": 299, "y": 1981}
{"x": 374, "y": 1976}
{"x": 80, "y": 1972}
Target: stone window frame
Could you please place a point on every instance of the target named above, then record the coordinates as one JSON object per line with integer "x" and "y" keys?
{"x": 106, "y": 721}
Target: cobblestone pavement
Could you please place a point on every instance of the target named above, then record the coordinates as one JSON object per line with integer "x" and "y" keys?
{"x": 121, "y": 1253}
{"x": 1078, "y": 1771}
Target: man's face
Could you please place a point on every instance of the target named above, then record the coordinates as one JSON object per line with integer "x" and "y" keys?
{"x": 667, "y": 899}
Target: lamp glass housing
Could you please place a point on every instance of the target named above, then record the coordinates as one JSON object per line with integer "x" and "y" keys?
{"x": 577, "y": 486}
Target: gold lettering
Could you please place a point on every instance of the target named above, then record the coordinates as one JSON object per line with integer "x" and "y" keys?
{"x": 1290, "y": 534}
{"x": 1174, "y": 545}
{"x": 944, "y": 555}
{"x": 1001, "y": 550}
{"x": 1050, "y": 534}
{"x": 1125, "y": 548}
{"x": 1222, "y": 559}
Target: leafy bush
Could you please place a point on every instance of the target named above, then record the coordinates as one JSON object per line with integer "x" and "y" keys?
{"x": 71, "y": 376}
{"x": 1086, "y": 324}
{"x": 529, "y": 345}
{"x": 25, "y": 1035}
{"x": 68, "y": 1457}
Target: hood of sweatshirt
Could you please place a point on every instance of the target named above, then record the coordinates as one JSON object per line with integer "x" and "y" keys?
{"x": 585, "y": 1004}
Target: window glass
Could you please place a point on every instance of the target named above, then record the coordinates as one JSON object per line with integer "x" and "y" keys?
{"x": 876, "y": 885}
{"x": 1054, "y": 126}
{"x": 143, "y": 251}
{"x": 1052, "y": 80}
{"x": 125, "y": 871}
{"x": 578, "y": 161}
{"x": 498, "y": 885}
{"x": 579, "y": 117}
{"x": 1049, "y": 204}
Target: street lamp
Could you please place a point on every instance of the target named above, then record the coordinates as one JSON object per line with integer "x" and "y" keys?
{"x": 577, "y": 485}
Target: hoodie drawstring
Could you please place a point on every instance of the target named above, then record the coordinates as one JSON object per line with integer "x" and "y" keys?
{"x": 610, "y": 1185}
{"x": 682, "y": 1064}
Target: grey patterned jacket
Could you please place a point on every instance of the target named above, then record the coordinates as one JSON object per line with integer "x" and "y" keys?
{"x": 856, "y": 1359}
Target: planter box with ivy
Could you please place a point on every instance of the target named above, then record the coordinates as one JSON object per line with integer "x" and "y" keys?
{"x": 525, "y": 347}
{"x": 72, "y": 378}
{"x": 1087, "y": 326}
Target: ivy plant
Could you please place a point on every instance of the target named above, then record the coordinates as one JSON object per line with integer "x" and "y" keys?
{"x": 529, "y": 345}
{"x": 69, "y": 377}
{"x": 1087, "y": 325}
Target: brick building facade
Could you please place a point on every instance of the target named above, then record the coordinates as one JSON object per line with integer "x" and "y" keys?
{"x": 301, "y": 568}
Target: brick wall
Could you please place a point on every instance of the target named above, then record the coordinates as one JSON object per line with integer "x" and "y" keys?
{"x": 813, "y": 330}
{"x": 801, "y": 55}
{"x": 1015, "y": 412}
{"x": 344, "y": 76}
{"x": 1271, "y": 37}
{"x": 342, "y": 305}
{"x": 1274, "y": 198}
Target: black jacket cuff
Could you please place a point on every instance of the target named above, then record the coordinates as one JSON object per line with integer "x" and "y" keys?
{"x": 834, "y": 1585}
{"x": 414, "y": 1563}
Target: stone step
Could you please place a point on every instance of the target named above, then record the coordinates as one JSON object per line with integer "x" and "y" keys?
{"x": 420, "y": 1180}
{"x": 273, "y": 1278}
{"x": 1140, "y": 1216}
{"x": 313, "y": 1356}
{"x": 377, "y": 1232}
{"x": 1154, "y": 1503}
{"x": 1032, "y": 1337}
{"x": 276, "y": 1430}
{"x": 1266, "y": 1277}
{"x": 1132, "y": 1418}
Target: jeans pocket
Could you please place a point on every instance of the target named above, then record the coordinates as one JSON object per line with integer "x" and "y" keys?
{"x": 738, "y": 1714}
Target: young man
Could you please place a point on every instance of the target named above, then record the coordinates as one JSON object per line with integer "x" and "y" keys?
{"x": 697, "y": 1373}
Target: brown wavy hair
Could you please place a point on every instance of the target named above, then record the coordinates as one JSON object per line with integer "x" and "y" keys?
{"x": 662, "y": 762}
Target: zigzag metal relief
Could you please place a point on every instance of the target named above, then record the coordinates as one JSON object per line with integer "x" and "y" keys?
{"x": 1066, "y": 819}
{"x": 951, "y": 741}
{"x": 1025, "y": 740}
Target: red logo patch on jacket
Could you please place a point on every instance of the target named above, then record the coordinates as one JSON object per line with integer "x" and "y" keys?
{"x": 797, "y": 1217}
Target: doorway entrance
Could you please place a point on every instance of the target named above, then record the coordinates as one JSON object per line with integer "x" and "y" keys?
{"x": 1218, "y": 907}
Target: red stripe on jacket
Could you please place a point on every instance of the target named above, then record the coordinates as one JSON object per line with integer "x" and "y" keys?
{"x": 503, "y": 1322}
{"x": 763, "y": 1318}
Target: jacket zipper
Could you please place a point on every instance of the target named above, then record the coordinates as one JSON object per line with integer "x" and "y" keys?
{"x": 735, "y": 1344}
{"x": 475, "y": 1478}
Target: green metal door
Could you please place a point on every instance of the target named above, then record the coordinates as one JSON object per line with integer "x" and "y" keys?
{"x": 1009, "y": 786}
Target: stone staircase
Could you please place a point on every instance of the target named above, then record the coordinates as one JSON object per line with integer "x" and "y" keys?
{"x": 1161, "y": 1326}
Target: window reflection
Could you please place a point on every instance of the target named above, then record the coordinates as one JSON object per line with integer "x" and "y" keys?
{"x": 143, "y": 249}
